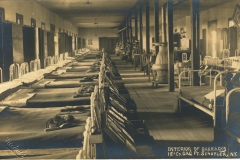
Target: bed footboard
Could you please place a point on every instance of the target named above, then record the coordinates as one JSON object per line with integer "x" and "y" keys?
{"x": 212, "y": 112}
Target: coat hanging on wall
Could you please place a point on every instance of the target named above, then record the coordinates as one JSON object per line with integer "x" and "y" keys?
{"x": 236, "y": 15}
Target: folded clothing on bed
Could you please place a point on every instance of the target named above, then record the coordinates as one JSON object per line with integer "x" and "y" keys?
{"x": 219, "y": 93}
{"x": 24, "y": 127}
{"x": 86, "y": 79}
{"x": 84, "y": 91}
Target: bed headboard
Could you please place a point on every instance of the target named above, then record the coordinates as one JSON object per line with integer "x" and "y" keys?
{"x": 210, "y": 61}
{"x": 65, "y": 55}
{"x": 14, "y": 71}
{"x": 56, "y": 59}
{"x": 35, "y": 65}
{"x": 52, "y": 60}
{"x": 24, "y": 69}
{"x": 49, "y": 61}
{"x": 61, "y": 57}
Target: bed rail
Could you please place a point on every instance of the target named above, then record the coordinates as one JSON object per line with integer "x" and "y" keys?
{"x": 65, "y": 55}
{"x": 201, "y": 73}
{"x": 14, "y": 71}
{"x": 24, "y": 69}
{"x": 231, "y": 132}
{"x": 49, "y": 61}
{"x": 56, "y": 59}
{"x": 46, "y": 62}
{"x": 213, "y": 111}
{"x": 61, "y": 57}
{"x": 35, "y": 65}
{"x": 93, "y": 125}
{"x": 228, "y": 101}
{"x": 211, "y": 61}
{"x": 1, "y": 75}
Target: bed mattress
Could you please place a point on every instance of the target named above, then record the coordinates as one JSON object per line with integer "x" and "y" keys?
{"x": 78, "y": 69}
{"x": 35, "y": 98}
{"x": 70, "y": 75}
{"x": 197, "y": 94}
{"x": 69, "y": 84}
{"x": 24, "y": 128}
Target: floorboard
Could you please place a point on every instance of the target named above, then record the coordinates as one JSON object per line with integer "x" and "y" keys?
{"x": 155, "y": 106}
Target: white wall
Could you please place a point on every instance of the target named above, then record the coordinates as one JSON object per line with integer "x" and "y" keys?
{"x": 94, "y": 34}
{"x": 221, "y": 14}
{"x": 30, "y": 9}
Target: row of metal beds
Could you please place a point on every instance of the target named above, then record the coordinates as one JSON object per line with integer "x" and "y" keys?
{"x": 45, "y": 114}
{"x": 39, "y": 122}
{"x": 113, "y": 114}
{"x": 219, "y": 97}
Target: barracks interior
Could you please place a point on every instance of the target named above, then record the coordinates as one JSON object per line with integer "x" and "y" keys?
{"x": 119, "y": 79}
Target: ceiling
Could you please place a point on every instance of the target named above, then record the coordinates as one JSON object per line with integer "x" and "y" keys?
{"x": 106, "y": 13}
{"x": 110, "y": 13}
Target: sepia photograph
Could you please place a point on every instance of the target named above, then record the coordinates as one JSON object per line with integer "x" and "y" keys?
{"x": 120, "y": 79}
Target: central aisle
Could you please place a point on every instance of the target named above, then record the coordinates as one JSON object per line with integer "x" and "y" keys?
{"x": 155, "y": 106}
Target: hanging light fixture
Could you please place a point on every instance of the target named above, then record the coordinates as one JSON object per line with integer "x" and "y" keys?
{"x": 88, "y": 3}
{"x": 95, "y": 21}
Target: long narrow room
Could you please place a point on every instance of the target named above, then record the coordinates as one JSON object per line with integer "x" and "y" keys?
{"x": 119, "y": 79}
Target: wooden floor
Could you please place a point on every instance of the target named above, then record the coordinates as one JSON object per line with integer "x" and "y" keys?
{"x": 155, "y": 106}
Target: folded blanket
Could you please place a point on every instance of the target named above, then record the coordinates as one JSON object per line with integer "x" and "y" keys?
{"x": 17, "y": 101}
{"x": 84, "y": 91}
{"x": 219, "y": 93}
{"x": 86, "y": 79}
{"x": 59, "y": 122}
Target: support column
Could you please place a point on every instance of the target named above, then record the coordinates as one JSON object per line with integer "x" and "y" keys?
{"x": 195, "y": 61}
{"x": 147, "y": 28}
{"x": 130, "y": 29}
{"x": 140, "y": 30}
{"x": 156, "y": 26}
{"x": 136, "y": 25}
{"x": 124, "y": 38}
{"x": 170, "y": 46}
{"x": 127, "y": 30}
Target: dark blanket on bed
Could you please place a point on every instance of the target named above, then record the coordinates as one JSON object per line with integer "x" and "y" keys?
{"x": 55, "y": 97}
{"x": 70, "y": 75}
{"x": 24, "y": 128}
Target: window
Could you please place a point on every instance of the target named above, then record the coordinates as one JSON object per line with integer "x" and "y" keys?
{"x": 212, "y": 39}
{"x": 52, "y": 27}
{"x": 2, "y": 13}
{"x": 33, "y": 22}
{"x": 19, "y": 19}
{"x": 42, "y": 25}
{"x": 230, "y": 22}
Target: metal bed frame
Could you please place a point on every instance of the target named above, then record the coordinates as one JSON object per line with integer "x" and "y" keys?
{"x": 1, "y": 76}
{"x": 35, "y": 65}
{"x": 228, "y": 131}
{"x": 197, "y": 105}
{"x": 14, "y": 71}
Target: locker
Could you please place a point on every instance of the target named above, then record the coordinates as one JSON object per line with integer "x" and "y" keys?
{"x": 41, "y": 46}
{"x": 12, "y": 46}
{"x": 29, "y": 47}
{"x": 50, "y": 44}
{"x": 79, "y": 42}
